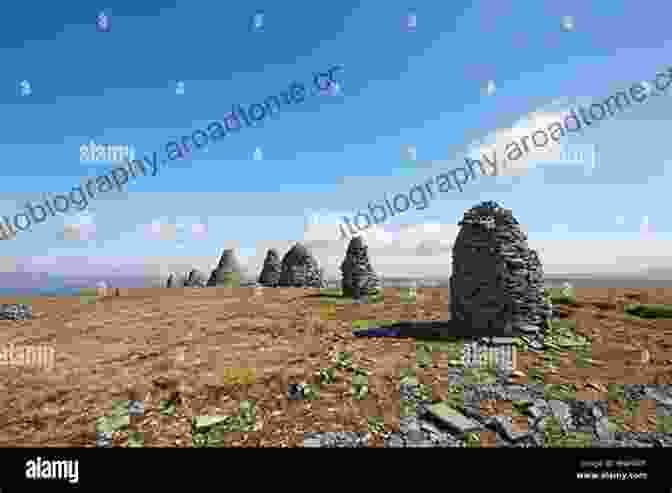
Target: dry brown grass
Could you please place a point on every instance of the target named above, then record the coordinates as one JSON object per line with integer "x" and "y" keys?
{"x": 185, "y": 345}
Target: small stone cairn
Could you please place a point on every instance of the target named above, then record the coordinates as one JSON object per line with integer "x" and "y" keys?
{"x": 195, "y": 279}
{"x": 359, "y": 278}
{"x": 270, "y": 273}
{"x": 496, "y": 286}
{"x": 102, "y": 289}
{"x": 300, "y": 269}
{"x": 227, "y": 273}
{"x": 16, "y": 312}
{"x": 172, "y": 281}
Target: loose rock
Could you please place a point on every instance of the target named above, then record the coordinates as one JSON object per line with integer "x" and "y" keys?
{"x": 16, "y": 312}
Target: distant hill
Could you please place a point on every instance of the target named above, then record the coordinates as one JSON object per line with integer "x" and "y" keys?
{"x": 28, "y": 283}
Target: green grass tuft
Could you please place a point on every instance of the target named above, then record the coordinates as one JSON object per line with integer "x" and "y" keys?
{"x": 559, "y": 296}
{"x": 88, "y": 292}
{"x": 649, "y": 311}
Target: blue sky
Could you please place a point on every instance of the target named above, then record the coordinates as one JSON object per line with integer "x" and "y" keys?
{"x": 330, "y": 155}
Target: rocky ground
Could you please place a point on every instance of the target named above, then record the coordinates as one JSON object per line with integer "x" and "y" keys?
{"x": 195, "y": 367}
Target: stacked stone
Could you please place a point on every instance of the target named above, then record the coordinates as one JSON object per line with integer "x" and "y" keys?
{"x": 227, "y": 273}
{"x": 172, "y": 281}
{"x": 496, "y": 286}
{"x": 195, "y": 279}
{"x": 16, "y": 312}
{"x": 270, "y": 273}
{"x": 300, "y": 269}
{"x": 359, "y": 278}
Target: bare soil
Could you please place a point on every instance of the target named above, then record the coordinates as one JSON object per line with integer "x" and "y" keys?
{"x": 185, "y": 344}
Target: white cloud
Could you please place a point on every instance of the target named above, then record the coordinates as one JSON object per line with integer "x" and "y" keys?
{"x": 551, "y": 153}
{"x": 323, "y": 227}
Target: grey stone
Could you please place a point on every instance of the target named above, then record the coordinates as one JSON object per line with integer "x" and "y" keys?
{"x": 336, "y": 439}
{"x": 503, "y": 424}
{"x": 537, "y": 409}
{"x": 395, "y": 441}
{"x": 136, "y": 408}
{"x": 312, "y": 442}
{"x": 16, "y": 312}
{"x": 195, "y": 279}
{"x": 296, "y": 391}
{"x": 562, "y": 411}
{"x": 453, "y": 418}
{"x": 174, "y": 281}
{"x": 415, "y": 435}
{"x": 529, "y": 329}
{"x": 104, "y": 439}
{"x": 662, "y": 394}
{"x": 502, "y": 341}
{"x": 602, "y": 431}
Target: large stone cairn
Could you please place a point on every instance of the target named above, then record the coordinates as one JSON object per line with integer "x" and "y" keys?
{"x": 496, "y": 286}
{"x": 16, "y": 312}
{"x": 227, "y": 273}
{"x": 195, "y": 279}
{"x": 359, "y": 278}
{"x": 270, "y": 273}
{"x": 300, "y": 269}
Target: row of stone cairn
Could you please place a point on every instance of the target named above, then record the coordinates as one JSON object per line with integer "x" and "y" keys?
{"x": 496, "y": 284}
{"x": 226, "y": 274}
{"x": 298, "y": 268}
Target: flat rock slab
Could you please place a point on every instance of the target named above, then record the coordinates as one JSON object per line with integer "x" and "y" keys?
{"x": 453, "y": 418}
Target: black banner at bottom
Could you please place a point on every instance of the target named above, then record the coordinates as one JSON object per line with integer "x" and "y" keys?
{"x": 83, "y": 469}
